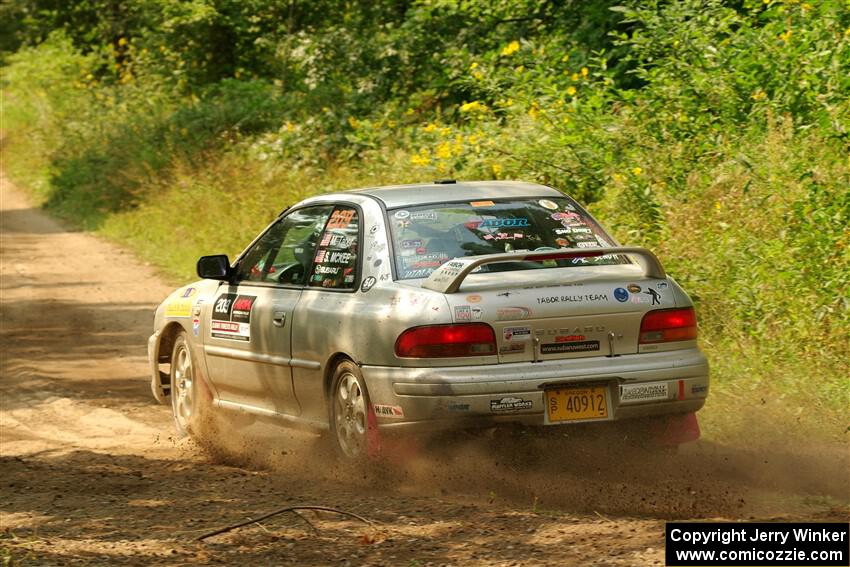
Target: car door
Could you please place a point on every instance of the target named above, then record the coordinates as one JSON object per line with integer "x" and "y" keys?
{"x": 248, "y": 333}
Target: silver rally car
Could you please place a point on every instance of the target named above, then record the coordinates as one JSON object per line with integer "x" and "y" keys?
{"x": 421, "y": 307}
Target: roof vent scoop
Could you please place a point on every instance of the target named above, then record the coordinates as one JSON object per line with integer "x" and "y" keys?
{"x": 445, "y": 181}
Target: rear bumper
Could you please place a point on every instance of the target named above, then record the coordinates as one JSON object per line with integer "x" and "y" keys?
{"x": 461, "y": 396}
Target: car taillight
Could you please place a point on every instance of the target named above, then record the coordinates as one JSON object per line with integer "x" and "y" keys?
{"x": 441, "y": 341}
{"x": 666, "y": 325}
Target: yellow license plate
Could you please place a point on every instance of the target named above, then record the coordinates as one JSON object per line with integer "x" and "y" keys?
{"x": 577, "y": 403}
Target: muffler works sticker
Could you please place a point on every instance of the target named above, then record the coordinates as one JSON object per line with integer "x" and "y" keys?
{"x": 231, "y": 317}
{"x": 509, "y": 403}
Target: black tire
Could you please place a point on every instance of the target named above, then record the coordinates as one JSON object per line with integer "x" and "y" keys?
{"x": 352, "y": 423}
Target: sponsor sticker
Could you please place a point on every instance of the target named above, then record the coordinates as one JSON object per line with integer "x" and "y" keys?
{"x": 424, "y": 216}
{"x": 463, "y": 313}
{"x": 547, "y": 204}
{"x": 506, "y": 222}
{"x": 593, "y": 244}
{"x": 516, "y": 333}
{"x": 509, "y": 403}
{"x": 411, "y": 243}
{"x": 474, "y": 298}
{"x": 560, "y": 348}
{"x": 513, "y": 313}
{"x": 699, "y": 389}
{"x": 633, "y": 288}
{"x": 179, "y": 308}
{"x": 455, "y": 406}
{"x": 656, "y": 297}
{"x": 388, "y": 411}
{"x": 512, "y": 348}
{"x": 403, "y": 214}
{"x": 661, "y": 285}
{"x": 481, "y": 203}
{"x": 367, "y": 284}
{"x": 231, "y": 317}
{"x": 621, "y": 295}
{"x": 643, "y": 392}
{"x": 196, "y": 326}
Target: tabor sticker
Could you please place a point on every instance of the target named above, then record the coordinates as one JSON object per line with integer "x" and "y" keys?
{"x": 402, "y": 214}
{"x": 547, "y": 204}
{"x": 367, "y": 284}
{"x": 388, "y": 411}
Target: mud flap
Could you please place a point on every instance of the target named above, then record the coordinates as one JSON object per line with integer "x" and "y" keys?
{"x": 676, "y": 429}
{"x": 374, "y": 447}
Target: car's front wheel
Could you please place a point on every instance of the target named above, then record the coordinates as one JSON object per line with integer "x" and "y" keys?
{"x": 185, "y": 390}
{"x": 352, "y": 424}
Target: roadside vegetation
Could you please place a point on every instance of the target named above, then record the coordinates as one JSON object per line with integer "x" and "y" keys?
{"x": 715, "y": 133}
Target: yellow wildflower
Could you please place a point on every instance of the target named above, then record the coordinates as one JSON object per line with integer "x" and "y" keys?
{"x": 184, "y": 132}
{"x": 444, "y": 151}
{"x": 353, "y": 122}
{"x": 571, "y": 90}
{"x": 574, "y": 77}
{"x": 785, "y": 36}
{"x": 497, "y": 169}
{"x": 391, "y": 123}
{"x": 758, "y": 95}
{"x": 617, "y": 177}
{"x": 520, "y": 69}
{"x": 473, "y": 65}
{"x": 511, "y": 48}
{"x": 122, "y": 42}
{"x": 473, "y": 139}
{"x": 421, "y": 159}
{"x": 534, "y": 111}
{"x": 637, "y": 170}
{"x": 584, "y": 72}
{"x": 473, "y": 106}
{"x": 805, "y": 6}
{"x": 409, "y": 111}
{"x": 478, "y": 75}
{"x": 717, "y": 205}
{"x": 445, "y": 132}
{"x": 430, "y": 127}
{"x": 565, "y": 58}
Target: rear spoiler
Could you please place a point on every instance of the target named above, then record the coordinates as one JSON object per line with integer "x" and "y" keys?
{"x": 448, "y": 277}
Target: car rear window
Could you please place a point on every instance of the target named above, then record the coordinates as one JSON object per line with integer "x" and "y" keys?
{"x": 425, "y": 237}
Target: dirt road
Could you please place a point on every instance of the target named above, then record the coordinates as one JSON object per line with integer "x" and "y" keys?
{"x": 92, "y": 475}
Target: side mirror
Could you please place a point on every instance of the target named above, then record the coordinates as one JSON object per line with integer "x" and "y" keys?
{"x": 215, "y": 267}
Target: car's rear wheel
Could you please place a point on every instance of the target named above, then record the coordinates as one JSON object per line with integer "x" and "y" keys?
{"x": 185, "y": 390}
{"x": 352, "y": 422}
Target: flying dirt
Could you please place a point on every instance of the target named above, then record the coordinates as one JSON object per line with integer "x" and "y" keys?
{"x": 92, "y": 471}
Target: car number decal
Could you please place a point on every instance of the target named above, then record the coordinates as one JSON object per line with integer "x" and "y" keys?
{"x": 231, "y": 317}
